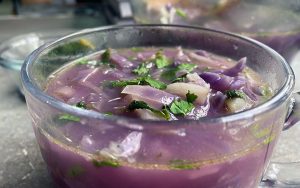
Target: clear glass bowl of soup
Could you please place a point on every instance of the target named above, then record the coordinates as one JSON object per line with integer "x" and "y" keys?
{"x": 87, "y": 148}
{"x": 275, "y": 23}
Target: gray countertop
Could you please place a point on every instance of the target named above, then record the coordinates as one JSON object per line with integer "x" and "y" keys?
{"x": 21, "y": 164}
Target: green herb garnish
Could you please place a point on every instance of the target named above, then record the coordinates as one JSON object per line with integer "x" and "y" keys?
{"x": 83, "y": 62}
{"x": 139, "y": 81}
{"x": 81, "y": 104}
{"x": 105, "y": 56}
{"x": 123, "y": 83}
{"x": 154, "y": 83}
{"x": 108, "y": 113}
{"x": 170, "y": 73}
{"x": 266, "y": 91}
{"x": 161, "y": 60}
{"x": 187, "y": 66}
{"x": 181, "y": 165}
{"x": 69, "y": 117}
{"x": 106, "y": 163}
{"x": 141, "y": 70}
{"x": 143, "y": 105}
{"x": 191, "y": 97}
{"x": 181, "y": 107}
{"x": 179, "y": 79}
{"x": 234, "y": 94}
{"x": 75, "y": 171}
{"x": 180, "y": 13}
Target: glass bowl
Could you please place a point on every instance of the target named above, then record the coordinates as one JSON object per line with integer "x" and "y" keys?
{"x": 113, "y": 151}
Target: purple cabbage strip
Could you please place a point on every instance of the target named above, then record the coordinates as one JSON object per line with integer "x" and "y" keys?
{"x": 249, "y": 92}
{"x": 217, "y": 81}
{"x": 235, "y": 70}
{"x": 121, "y": 61}
{"x": 238, "y": 82}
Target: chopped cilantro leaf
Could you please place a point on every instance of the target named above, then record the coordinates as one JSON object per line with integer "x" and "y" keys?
{"x": 106, "y": 163}
{"x": 164, "y": 113}
{"x": 83, "y": 62}
{"x": 169, "y": 74}
{"x": 108, "y": 113}
{"x": 181, "y": 107}
{"x": 191, "y": 97}
{"x": 187, "y": 66}
{"x": 75, "y": 171}
{"x": 180, "y": 13}
{"x": 69, "y": 117}
{"x": 105, "y": 57}
{"x": 138, "y": 105}
{"x": 234, "y": 94}
{"x": 141, "y": 70}
{"x": 155, "y": 83}
{"x": 180, "y": 79}
{"x": 81, "y": 104}
{"x": 161, "y": 60}
{"x": 266, "y": 91}
{"x": 123, "y": 83}
{"x": 139, "y": 81}
{"x": 182, "y": 165}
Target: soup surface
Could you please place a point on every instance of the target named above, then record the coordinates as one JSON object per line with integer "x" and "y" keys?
{"x": 159, "y": 84}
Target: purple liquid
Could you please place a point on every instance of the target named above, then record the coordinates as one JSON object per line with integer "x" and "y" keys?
{"x": 205, "y": 156}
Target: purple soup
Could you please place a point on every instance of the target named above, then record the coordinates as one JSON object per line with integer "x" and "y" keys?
{"x": 157, "y": 84}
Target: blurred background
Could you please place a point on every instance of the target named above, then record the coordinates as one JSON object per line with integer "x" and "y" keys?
{"x": 26, "y": 24}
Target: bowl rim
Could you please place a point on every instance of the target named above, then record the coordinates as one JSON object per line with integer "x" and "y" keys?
{"x": 30, "y": 88}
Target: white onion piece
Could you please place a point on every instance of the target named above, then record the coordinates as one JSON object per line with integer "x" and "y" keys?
{"x": 182, "y": 89}
{"x": 196, "y": 79}
{"x": 236, "y": 105}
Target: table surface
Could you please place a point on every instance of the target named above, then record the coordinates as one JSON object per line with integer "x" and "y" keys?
{"x": 21, "y": 164}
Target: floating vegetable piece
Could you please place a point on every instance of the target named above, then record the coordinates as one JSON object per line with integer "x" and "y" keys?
{"x": 236, "y": 69}
{"x": 235, "y": 94}
{"x": 234, "y": 105}
{"x": 181, "y": 107}
{"x": 141, "y": 70}
{"x": 139, "y": 81}
{"x": 161, "y": 60}
{"x": 191, "y": 97}
{"x": 219, "y": 82}
{"x": 154, "y": 97}
{"x": 143, "y": 105}
{"x": 181, "y": 89}
{"x": 196, "y": 79}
